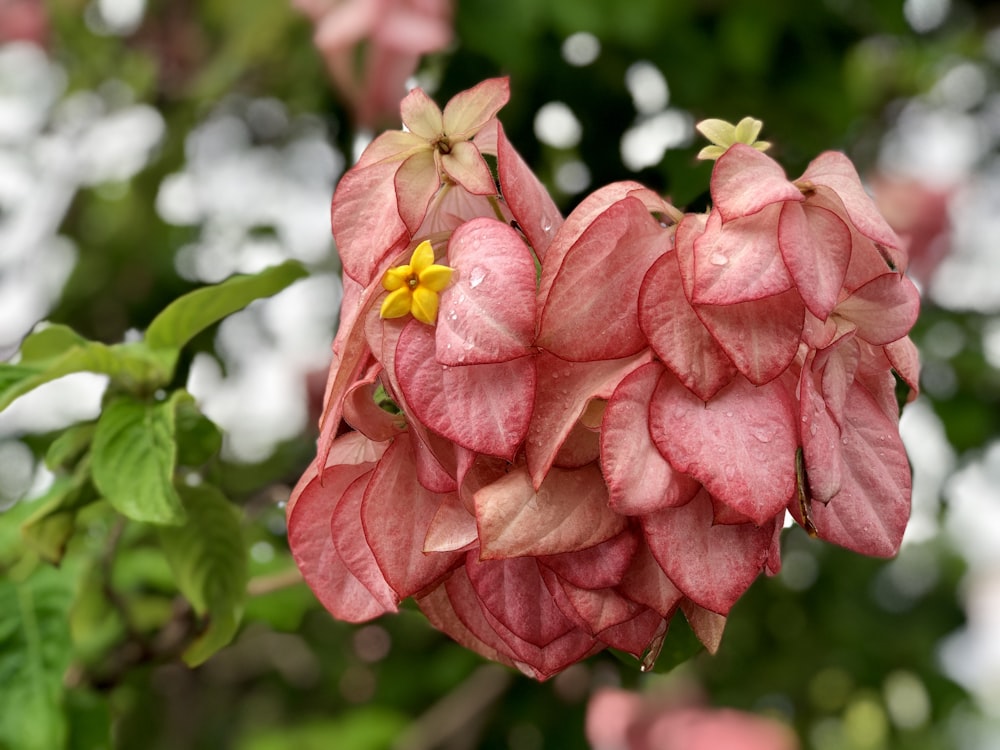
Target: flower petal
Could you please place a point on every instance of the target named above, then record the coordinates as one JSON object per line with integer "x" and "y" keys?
{"x": 816, "y": 247}
{"x": 421, "y": 115}
{"x": 466, "y": 166}
{"x": 470, "y": 110}
{"x": 489, "y": 310}
{"x": 744, "y": 181}
{"x": 740, "y": 445}
{"x": 415, "y": 183}
{"x": 884, "y": 309}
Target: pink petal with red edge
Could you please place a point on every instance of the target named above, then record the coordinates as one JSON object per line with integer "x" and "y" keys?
{"x": 392, "y": 146}
{"x": 593, "y": 610}
{"x": 529, "y": 201}
{"x": 596, "y": 288}
{"x": 745, "y": 180}
{"x": 820, "y": 439}
{"x": 415, "y": 183}
{"x": 396, "y": 514}
{"x": 435, "y": 459}
{"x": 581, "y": 447}
{"x": 640, "y": 480}
{"x": 600, "y": 566}
{"x": 421, "y": 115}
{"x": 488, "y": 312}
{"x": 452, "y": 528}
{"x": 884, "y": 309}
{"x": 636, "y": 635}
{"x": 466, "y": 166}
{"x": 514, "y": 593}
{"x": 645, "y": 583}
{"x": 364, "y": 415}
{"x": 309, "y": 511}
{"x": 541, "y": 663}
{"x": 760, "y": 337}
{"x": 870, "y": 512}
{"x": 345, "y": 528}
{"x": 712, "y": 565}
{"x": 439, "y": 610}
{"x": 589, "y": 209}
{"x": 564, "y": 391}
{"x": 485, "y": 408}
{"x": 366, "y": 222}
{"x": 834, "y": 170}
{"x": 816, "y": 247}
{"x": 568, "y": 512}
{"x": 676, "y": 333}
{"x": 740, "y": 445}
{"x": 739, "y": 260}
{"x": 705, "y": 623}
{"x": 470, "y": 110}
{"x": 905, "y": 360}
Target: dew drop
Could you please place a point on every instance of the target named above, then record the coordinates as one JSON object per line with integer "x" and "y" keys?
{"x": 718, "y": 259}
{"x": 729, "y": 414}
{"x": 813, "y": 428}
{"x": 844, "y": 441}
{"x": 762, "y": 434}
{"x": 547, "y": 224}
{"x": 477, "y": 276}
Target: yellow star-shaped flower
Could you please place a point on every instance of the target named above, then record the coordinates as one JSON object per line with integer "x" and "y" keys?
{"x": 413, "y": 288}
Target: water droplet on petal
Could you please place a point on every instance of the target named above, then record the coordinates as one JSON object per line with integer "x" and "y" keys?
{"x": 477, "y": 276}
{"x": 547, "y": 224}
{"x": 718, "y": 259}
{"x": 729, "y": 414}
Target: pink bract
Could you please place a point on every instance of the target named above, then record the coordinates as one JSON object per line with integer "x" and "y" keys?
{"x": 611, "y": 415}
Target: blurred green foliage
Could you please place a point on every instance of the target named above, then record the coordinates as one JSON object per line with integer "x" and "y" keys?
{"x": 91, "y": 651}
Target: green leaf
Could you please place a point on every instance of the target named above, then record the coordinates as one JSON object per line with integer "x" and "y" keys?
{"x": 70, "y": 444}
{"x": 189, "y": 315}
{"x": 133, "y": 459}
{"x": 35, "y": 652}
{"x": 49, "y": 341}
{"x": 198, "y": 437}
{"x": 209, "y": 560}
{"x": 680, "y": 645}
{"x": 89, "y": 720}
{"x": 50, "y": 527}
{"x": 132, "y": 366}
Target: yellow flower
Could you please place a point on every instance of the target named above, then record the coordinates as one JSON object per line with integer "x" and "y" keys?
{"x": 723, "y": 134}
{"x": 413, "y": 288}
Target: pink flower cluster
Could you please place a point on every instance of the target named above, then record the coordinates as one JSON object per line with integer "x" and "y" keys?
{"x": 556, "y": 434}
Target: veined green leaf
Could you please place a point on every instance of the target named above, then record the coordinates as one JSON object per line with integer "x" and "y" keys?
{"x": 198, "y": 437}
{"x": 133, "y": 457}
{"x": 50, "y": 527}
{"x": 49, "y": 341}
{"x": 186, "y": 317}
{"x": 209, "y": 559}
{"x": 134, "y": 366}
{"x": 35, "y": 651}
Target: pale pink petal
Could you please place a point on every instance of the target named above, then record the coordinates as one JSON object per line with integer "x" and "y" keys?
{"x": 440, "y": 611}
{"x": 485, "y": 408}
{"x": 589, "y": 209}
{"x": 761, "y": 337}
{"x": 421, "y": 115}
{"x": 364, "y": 415}
{"x": 366, "y": 223}
{"x": 745, "y": 180}
{"x": 533, "y": 208}
{"x": 415, "y": 183}
{"x": 740, "y": 445}
{"x": 645, "y": 583}
{"x": 581, "y": 446}
{"x": 466, "y": 166}
{"x": 739, "y": 260}
{"x": 413, "y": 32}
{"x": 718, "y": 729}
{"x": 600, "y": 566}
{"x": 564, "y": 391}
{"x": 487, "y": 314}
{"x": 905, "y": 360}
{"x": 396, "y": 514}
{"x": 513, "y": 592}
{"x": 712, "y": 565}
{"x": 816, "y": 247}
{"x": 452, "y": 206}
{"x": 346, "y": 24}
{"x": 676, "y": 333}
{"x": 705, "y": 623}
{"x": 884, "y": 309}
{"x": 591, "y": 311}
{"x": 870, "y": 512}
{"x": 452, "y": 528}
{"x": 568, "y": 512}
{"x": 346, "y": 529}
{"x": 470, "y": 110}
{"x": 391, "y": 146}
{"x": 640, "y": 480}
{"x": 377, "y": 97}
{"x": 834, "y": 170}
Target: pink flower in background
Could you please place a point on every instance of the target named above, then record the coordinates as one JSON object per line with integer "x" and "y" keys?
{"x": 621, "y": 720}
{"x": 372, "y": 47}
{"x": 24, "y": 20}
